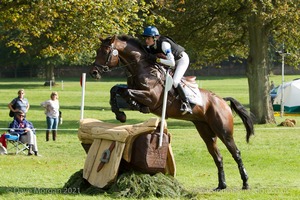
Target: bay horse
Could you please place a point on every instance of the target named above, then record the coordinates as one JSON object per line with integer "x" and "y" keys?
{"x": 144, "y": 92}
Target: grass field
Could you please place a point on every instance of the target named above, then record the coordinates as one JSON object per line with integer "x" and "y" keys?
{"x": 271, "y": 158}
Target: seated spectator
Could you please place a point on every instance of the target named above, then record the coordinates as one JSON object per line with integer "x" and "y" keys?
{"x": 25, "y": 129}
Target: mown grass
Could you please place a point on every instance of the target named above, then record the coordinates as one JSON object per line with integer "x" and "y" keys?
{"x": 271, "y": 158}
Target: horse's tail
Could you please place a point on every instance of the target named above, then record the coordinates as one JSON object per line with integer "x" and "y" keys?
{"x": 244, "y": 115}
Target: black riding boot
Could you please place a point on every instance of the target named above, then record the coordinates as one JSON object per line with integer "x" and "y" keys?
{"x": 185, "y": 106}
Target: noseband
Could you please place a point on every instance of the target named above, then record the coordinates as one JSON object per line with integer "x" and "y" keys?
{"x": 101, "y": 68}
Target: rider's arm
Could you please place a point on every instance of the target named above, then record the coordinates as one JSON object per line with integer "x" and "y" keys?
{"x": 169, "y": 61}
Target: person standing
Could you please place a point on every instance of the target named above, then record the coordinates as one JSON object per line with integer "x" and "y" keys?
{"x": 272, "y": 86}
{"x": 19, "y": 103}
{"x": 52, "y": 115}
{"x": 175, "y": 57}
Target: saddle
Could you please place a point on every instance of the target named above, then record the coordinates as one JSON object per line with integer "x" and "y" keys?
{"x": 190, "y": 81}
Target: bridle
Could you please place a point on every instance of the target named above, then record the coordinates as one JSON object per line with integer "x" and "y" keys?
{"x": 105, "y": 68}
{"x": 112, "y": 52}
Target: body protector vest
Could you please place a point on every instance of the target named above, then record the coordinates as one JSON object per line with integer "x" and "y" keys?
{"x": 175, "y": 48}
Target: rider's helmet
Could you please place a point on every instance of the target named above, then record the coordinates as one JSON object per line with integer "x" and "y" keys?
{"x": 150, "y": 31}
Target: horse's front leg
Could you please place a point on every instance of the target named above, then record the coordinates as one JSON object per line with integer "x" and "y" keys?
{"x": 135, "y": 100}
{"x": 121, "y": 116}
{"x": 142, "y": 99}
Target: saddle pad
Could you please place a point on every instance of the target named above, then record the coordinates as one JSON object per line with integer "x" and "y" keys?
{"x": 193, "y": 94}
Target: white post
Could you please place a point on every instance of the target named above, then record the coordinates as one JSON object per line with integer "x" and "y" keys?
{"x": 62, "y": 85}
{"x": 282, "y": 86}
{"x": 50, "y": 84}
{"x": 82, "y": 95}
{"x": 283, "y": 53}
{"x": 168, "y": 86}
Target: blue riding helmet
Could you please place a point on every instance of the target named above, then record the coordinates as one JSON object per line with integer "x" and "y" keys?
{"x": 150, "y": 31}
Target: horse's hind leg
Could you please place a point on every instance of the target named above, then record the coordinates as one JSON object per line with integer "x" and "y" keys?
{"x": 226, "y": 135}
{"x": 210, "y": 139}
{"x": 236, "y": 154}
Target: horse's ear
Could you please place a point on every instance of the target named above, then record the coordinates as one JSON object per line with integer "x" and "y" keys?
{"x": 112, "y": 40}
{"x": 101, "y": 39}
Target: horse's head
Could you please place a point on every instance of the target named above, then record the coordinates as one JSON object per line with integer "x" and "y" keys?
{"x": 107, "y": 57}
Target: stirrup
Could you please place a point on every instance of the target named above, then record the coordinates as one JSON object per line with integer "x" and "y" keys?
{"x": 186, "y": 108}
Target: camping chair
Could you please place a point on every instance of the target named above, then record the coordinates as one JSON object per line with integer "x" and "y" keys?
{"x": 14, "y": 139}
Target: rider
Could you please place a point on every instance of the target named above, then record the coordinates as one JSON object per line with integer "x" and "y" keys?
{"x": 176, "y": 58}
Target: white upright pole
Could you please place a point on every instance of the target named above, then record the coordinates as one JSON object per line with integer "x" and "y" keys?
{"x": 283, "y": 53}
{"x": 50, "y": 85}
{"x": 82, "y": 95}
{"x": 168, "y": 86}
{"x": 282, "y": 86}
{"x": 62, "y": 85}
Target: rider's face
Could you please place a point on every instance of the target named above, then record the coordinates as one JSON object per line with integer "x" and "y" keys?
{"x": 149, "y": 41}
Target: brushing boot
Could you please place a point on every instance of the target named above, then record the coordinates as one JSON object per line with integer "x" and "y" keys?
{"x": 47, "y": 135}
{"x": 54, "y": 135}
{"x": 185, "y": 105}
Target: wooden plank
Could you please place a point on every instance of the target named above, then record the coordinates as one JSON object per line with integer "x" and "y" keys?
{"x": 91, "y": 158}
{"x": 171, "y": 166}
{"x": 86, "y": 126}
{"x": 84, "y": 137}
{"x": 110, "y": 170}
{"x": 116, "y": 134}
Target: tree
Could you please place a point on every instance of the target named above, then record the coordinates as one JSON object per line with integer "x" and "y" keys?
{"x": 241, "y": 29}
{"x": 53, "y": 33}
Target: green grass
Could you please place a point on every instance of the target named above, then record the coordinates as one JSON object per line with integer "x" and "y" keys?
{"x": 271, "y": 158}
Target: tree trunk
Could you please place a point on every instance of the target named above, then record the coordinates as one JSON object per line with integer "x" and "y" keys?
{"x": 49, "y": 75}
{"x": 258, "y": 72}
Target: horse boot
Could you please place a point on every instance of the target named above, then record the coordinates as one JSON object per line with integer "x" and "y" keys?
{"x": 47, "y": 135}
{"x": 185, "y": 105}
{"x": 136, "y": 106}
{"x": 54, "y": 135}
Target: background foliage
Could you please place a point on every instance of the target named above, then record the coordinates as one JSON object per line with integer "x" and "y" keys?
{"x": 48, "y": 34}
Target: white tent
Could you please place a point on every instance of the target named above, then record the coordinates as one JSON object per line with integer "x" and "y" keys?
{"x": 291, "y": 97}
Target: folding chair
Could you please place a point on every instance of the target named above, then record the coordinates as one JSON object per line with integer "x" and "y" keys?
{"x": 14, "y": 139}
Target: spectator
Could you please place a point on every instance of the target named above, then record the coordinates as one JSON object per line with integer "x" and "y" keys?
{"x": 272, "y": 86}
{"x": 25, "y": 129}
{"x": 52, "y": 115}
{"x": 19, "y": 103}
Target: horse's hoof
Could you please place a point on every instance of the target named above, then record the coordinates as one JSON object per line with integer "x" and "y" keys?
{"x": 121, "y": 117}
{"x": 145, "y": 109}
{"x": 245, "y": 187}
{"x": 219, "y": 188}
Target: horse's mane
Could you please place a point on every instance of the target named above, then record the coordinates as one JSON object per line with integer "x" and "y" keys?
{"x": 131, "y": 40}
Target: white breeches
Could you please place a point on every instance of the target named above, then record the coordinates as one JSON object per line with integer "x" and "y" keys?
{"x": 181, "y": 66}
{"x": 30, "y": 138}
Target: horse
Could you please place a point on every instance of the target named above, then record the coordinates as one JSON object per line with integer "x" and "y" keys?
{"x": 144, "y": 92}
